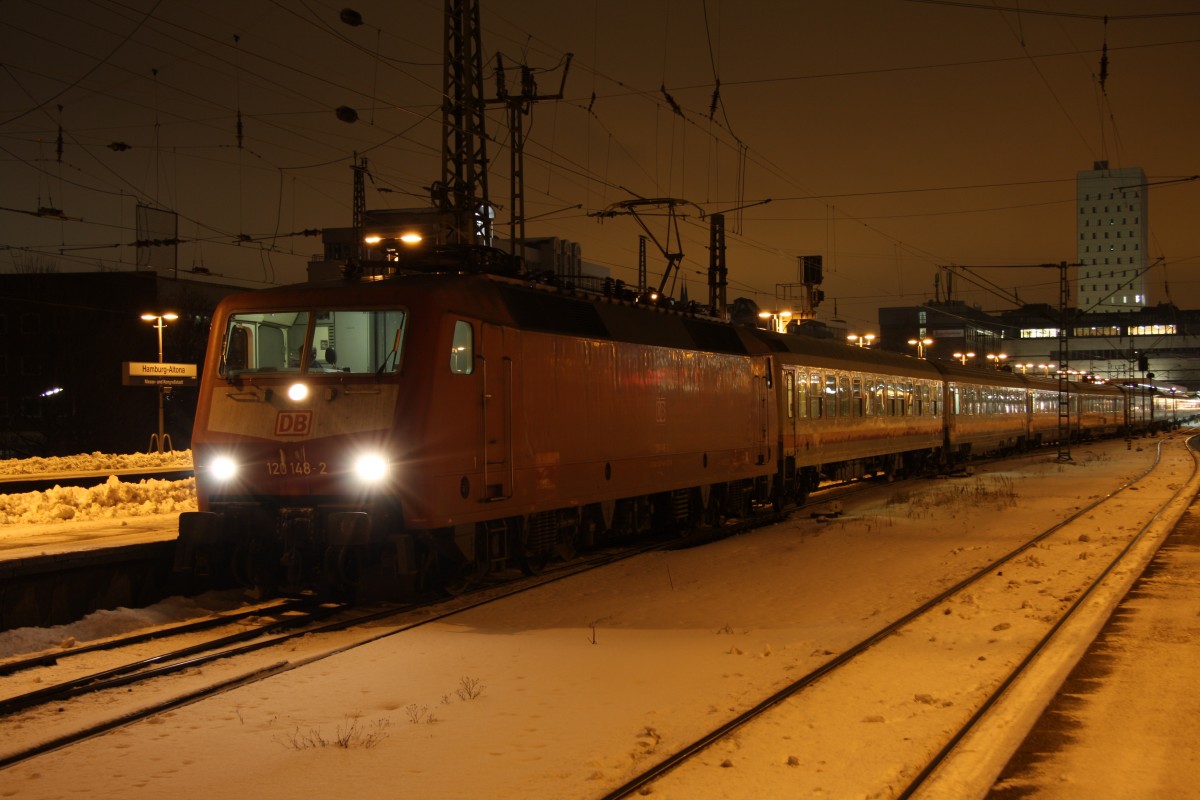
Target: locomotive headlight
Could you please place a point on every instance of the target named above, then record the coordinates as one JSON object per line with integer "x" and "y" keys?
{"x": 223, "y": 468}
{"x": 371, "y": 467}
{"x": 297, "y": 392}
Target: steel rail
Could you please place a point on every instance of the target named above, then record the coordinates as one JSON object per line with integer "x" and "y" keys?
{"x": 117, "y": 677}
{"x": 196, "y": 626}
{"x": 668, "y": 764}
{"x": 1023, "y": 666}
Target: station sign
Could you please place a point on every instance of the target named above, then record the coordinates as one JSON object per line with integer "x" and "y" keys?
{"x": 156, "y": 373}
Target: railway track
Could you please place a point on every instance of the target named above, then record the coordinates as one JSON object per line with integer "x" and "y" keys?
{"x": 912, "y": 639}
{"x": 295, "y": 626}
{"x": 265, "y": 627}
{"x": 62, "y": 722}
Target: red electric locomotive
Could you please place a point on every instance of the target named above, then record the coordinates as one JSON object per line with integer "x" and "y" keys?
{"x": 422, "y": 428}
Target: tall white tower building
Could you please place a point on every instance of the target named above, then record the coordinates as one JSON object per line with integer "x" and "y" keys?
{"x": 1113, "y": 236}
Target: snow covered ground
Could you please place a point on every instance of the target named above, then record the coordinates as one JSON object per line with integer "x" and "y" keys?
{"x": 566, "y": 691}
{"x": 92, "y": 463}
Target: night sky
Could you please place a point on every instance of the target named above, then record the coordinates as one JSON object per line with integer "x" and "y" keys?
{"x": 890, "y": 136}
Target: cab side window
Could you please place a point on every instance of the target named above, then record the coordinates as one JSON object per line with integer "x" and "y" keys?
{"x": 462, "y": 349}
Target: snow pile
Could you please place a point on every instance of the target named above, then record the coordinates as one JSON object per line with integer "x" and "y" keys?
{"x": 96, "y": 462}
{"x": 112, "y": 499}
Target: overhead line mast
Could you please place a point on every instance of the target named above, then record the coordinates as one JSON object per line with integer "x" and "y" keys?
{"x": 519, "y": 106}
{"x": 1064, "y": 336}
{"x": 463, "y": 190}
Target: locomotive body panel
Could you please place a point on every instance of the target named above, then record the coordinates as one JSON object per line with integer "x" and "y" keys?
{"x": 603, "y": 420}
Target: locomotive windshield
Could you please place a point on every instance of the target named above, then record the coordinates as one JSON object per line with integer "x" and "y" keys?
{"x": 314, "y": 341}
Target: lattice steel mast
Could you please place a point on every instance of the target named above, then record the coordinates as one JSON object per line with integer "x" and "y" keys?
{"x": 463, "y": 190}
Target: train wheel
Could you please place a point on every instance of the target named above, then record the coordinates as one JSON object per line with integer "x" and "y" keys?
{"x": 253, "y": 569}
{"x": 800, "y": 487}
{"x": 343, "y": 568}
{"x": 591, "y": 527}
{"x": 532, "y": 563}
{"x": 437, "y": 574}
{"x": 633, "y": 517}
{"x": 569, "y": 535}
{"x": 714, "y": 513}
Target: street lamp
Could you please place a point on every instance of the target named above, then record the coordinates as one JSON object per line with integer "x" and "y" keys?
{"x": 997, "y": 359}
{"x": 920, "y": 344}
{"x": 861, "y": 341}
{"x": 160, "y": 321}
{"x": 962, "y": 357}
{"x": 776, "y": 320}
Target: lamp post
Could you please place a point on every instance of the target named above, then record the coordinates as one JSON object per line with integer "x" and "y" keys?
{"x": 997, "y": 359}
{"x": 862, "y": 341}
{"x": 777, "y": 321}
{"x": 962, "y": 357}
{"x": 160, "y": 321}
{"x": 920, "y": 344}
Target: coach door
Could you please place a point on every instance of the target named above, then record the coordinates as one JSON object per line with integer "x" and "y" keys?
{"x": 495, "y": 361}
{"x": 765, "y": 410}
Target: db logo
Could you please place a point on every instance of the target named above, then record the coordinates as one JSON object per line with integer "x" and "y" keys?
{"x": 293, "y": 423}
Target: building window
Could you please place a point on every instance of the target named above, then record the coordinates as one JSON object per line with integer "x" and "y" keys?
{"x": 1152, "y": 330}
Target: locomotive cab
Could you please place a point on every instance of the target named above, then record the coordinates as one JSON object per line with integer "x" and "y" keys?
{"x": 294, "y": 442}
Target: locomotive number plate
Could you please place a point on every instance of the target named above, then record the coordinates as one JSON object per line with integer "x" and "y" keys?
{"x": 296, "y": 468}
{"x": 295, "y": 464}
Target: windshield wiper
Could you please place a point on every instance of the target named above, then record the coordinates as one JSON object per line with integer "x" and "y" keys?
{"x": 395, "y": 351}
